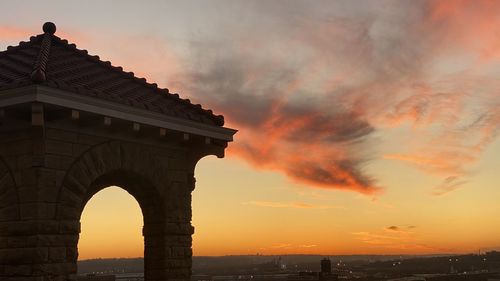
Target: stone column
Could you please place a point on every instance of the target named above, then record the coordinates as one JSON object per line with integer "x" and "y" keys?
{"x": 32, "y": 247}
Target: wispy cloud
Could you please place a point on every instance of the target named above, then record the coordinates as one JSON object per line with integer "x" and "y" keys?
{"x": 377, "y": 239}
{"x": 448, "y": 185}
{"x": 401, "y": 229}
{"x": 393, "y": 240}
{"x": 281, "y": 246}
{"x": 294, "y": 205}
{"x": 397, "y": 238}
{"x": 392, "y": 228}
{"x": 308, "y": 246}
{"x": 289, "y": 247}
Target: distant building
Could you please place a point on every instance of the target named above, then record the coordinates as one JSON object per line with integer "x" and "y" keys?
{"x": 326, "y": 266}
{"x": 304, "y": 275}
{"x": 274, "y": 266}
{"x": 324, "y": 275}
{"x": 281, "y": 264}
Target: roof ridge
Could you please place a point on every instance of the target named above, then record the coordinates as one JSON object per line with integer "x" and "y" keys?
{"x": 20, "y": 45}
{"x": 40, "y": 66}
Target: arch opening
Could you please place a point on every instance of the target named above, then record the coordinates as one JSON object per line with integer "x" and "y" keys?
{"x": 147, "y": 204}
{"x": 111, "y": 226}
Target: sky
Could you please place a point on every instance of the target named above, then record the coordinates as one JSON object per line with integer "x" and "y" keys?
{"x": 365, "y": 127}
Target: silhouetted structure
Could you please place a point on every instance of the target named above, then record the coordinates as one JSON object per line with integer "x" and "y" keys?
{"x": 324, "y": 275}
{"x": 72, "y": 125}
{"x": 326, "y": 266}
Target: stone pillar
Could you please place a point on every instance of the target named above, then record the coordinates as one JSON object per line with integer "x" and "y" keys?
{"x": 19, "y": 213}
{"x": 168, "y": 252}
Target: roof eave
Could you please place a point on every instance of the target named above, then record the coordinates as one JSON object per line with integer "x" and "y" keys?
{"x": 45, "y": 94}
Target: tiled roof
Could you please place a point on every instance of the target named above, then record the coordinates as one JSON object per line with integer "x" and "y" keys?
{"x": 49, "y": 60}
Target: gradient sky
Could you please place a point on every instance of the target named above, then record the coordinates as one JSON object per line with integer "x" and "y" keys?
{"x": 364, "y": 126}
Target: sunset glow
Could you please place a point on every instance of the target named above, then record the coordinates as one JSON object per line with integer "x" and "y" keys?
{"x": 364, "y": 127}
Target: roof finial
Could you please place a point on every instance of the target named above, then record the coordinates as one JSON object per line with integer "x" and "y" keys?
{"x": 39, "y": 69}
{"x": 49, "y": 27}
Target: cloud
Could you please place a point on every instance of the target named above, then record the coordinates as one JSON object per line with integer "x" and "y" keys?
{"x": 377, "y": 239}
{"x": 289, "y": 246}
{"x": 275, "y": 103}
{"x": 309, "y": 87}
{"x": 420, "y": 247}
{"x": 293, "y": 205}
{"x": 448, "y": 185}
{"x": 313, "y": 115}
{"x": 308, "y": 246}
{"x": 400, "y": 229}
{"x": 393, "y": 228}
{"x": 452, "y": 106}
{"x": 281, "y": 246}
{"x": 397, "y": 238}
{"x": 437, "y": 162}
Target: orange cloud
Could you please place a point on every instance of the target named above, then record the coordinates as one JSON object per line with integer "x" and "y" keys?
{"x": 377, "y": 239}
{"x": 435, "y": 162}
{"x": 281, "y": 246}
{"x": 294, "y": 205}
{"x": 448, "y": 185}
{"x": 308, "y": 246}
{"x": 397, "y": 238}
{"x": 289, "y": 247}
{"x": 310, "y": 147}
{"x": 470, "y": 25}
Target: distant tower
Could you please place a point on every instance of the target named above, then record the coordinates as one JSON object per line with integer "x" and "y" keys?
{"x": 326, "y": 266}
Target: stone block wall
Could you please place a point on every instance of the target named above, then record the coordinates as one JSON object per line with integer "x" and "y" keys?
{"x": 47, "y": 175}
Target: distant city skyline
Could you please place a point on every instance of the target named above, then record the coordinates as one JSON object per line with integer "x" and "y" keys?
{"x": 365, "y": 127}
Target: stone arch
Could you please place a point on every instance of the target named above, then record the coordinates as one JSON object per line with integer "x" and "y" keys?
{"x": 103, "y": 165}
{"x": 143, "y": 173}
{"x": 136, "y": 185}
